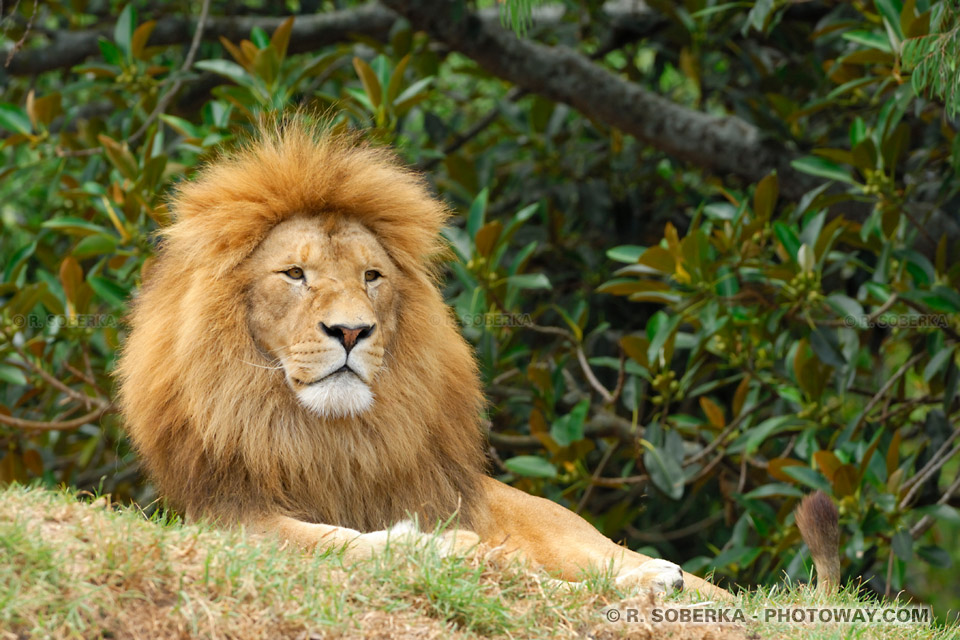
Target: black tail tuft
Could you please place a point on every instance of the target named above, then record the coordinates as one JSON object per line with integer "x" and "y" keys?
{"x": 818, "y": 521}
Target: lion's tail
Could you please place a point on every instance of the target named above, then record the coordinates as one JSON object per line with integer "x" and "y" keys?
{"x": 818, "y": 521}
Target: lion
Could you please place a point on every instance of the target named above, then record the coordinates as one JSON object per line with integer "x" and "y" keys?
{"x": 292, "y": 367}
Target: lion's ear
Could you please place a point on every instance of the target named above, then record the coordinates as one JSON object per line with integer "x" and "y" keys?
{"x": 303, "y": 169}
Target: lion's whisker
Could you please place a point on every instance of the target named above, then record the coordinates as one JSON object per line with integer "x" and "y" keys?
{"x": 276, "y": 367}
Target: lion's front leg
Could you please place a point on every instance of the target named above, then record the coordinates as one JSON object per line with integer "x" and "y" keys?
{"x": 568, "y": 546}
{"x": 357, "y": 545}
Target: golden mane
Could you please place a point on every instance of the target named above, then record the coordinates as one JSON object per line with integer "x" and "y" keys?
{"x": 222, "y": 435}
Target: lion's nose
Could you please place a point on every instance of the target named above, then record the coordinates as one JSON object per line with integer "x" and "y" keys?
{"x": 349, "y": 336}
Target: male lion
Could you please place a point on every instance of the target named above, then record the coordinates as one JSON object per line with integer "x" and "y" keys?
{"x": 292, "y": 366}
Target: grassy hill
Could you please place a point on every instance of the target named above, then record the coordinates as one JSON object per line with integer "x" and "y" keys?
{"x": 85, "y": 569}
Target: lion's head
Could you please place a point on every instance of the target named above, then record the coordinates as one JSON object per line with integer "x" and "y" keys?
{"x": 323, "y": 305}
{"x": 290, "y": 348}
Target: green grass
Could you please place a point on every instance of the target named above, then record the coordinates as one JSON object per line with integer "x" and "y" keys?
{"x": 76, "y": 569}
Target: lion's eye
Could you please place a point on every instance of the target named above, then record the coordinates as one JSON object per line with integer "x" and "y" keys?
{"x": 371, "y": 275}
{"x": 294, "y": 273}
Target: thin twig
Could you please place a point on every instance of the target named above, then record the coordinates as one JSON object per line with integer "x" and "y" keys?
{"x": 616, "y": 482}
{"x": 503, "y": 376}
{"x": 872, "y": 318}
{"x": 677, "y": 534}
{"x": 621, "y": 375}
{"x": 591, "y": 378}
{"x": 708, "y": 469}
{"x": 937, "y": 462}
{"x": 513, "y": 95}
{"x": 943, "y": 326}
{"x": 555, "y": 331}
{"x": 164, "y": 101}
{"x": 926, "y": 521}
{"x": 889, "y": 581}
{"x": 497, "y": 460}
{"x": 933, "y": 460}
{"x": 885, "y": 388}
{"x": 905, "y": 406}
{"x": 77, "y": 153}
{"x": 596, "y": 474}
{"x": 581, "y": 358}
{"x": 742, "y": 483}
{"x": 84, "y": 377}
{"x": 730, "y": 428}
{"x": 65, "y": 425}
{"x": 54, "y": 382}
{"x": 26, "y": 32}
{"x": 601, "y": 425}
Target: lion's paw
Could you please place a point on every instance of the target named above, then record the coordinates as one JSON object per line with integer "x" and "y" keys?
{"x": 659, "y": 576}
{"x": 451, "y": 542}
{"x": 404, "y": 531}
{"x": 458, "y": 542}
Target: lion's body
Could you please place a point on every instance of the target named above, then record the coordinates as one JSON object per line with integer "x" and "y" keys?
{"x": 223, "y": 426}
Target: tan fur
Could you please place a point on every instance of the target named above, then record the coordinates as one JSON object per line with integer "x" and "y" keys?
{"x": 818, "y": 521}
{"x": 223, "y": 339}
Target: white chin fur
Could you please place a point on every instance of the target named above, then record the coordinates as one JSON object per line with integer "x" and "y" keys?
{"x": 340, "y": 396}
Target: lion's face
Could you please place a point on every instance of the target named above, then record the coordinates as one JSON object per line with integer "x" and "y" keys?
{"x": 321, "y": 305}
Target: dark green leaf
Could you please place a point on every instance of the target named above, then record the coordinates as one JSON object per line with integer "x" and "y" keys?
{"x": 109, "y": 291}
{"x": 822, "y": 168}
{"x": 807, "y": 476}
{"x": 477, "y": 214}
{"x": 123, "y": 30}
{"x": 18, "y": 258}
{"x": 259, "y": 37}
{"x": 902, "y": 543}
{"x": 890, "y": 10}
{"x": 665, "y": 471}
{"x": 529, "y": 281}
{"x": 825, "y": 344}
{"x": 94, "y": 246}
{"x": 15, "y": 119}
{"x": 870, "y": 39}
{"x": 225, "y": 68}
{"x": 531, "y": 466}
{"x": 628, "y": 253}
{"x": 935, "y": 556}
{"x": 12, "y": 375}
{"x": 79, "y": 226}
{"x": 788, "y": 238}
{"x": 766, "y": 429}
{"x": 765, "y": 196}
{"x": 568, "y": 429}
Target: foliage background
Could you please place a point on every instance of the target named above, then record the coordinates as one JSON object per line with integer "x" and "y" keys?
{"x": 681, "y": 329}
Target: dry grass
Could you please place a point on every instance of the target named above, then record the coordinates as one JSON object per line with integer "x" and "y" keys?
{"x": 73, "y": 569}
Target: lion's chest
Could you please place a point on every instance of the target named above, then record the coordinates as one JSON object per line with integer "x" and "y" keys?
{"x": 364, "y": 484}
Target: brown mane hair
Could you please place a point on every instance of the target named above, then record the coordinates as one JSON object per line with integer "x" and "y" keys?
{"x": 220, "y": 432}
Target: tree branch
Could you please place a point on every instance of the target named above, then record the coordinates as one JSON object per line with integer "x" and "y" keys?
{"x": 722, "y": 144}
{"x": 310, "y": 32}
